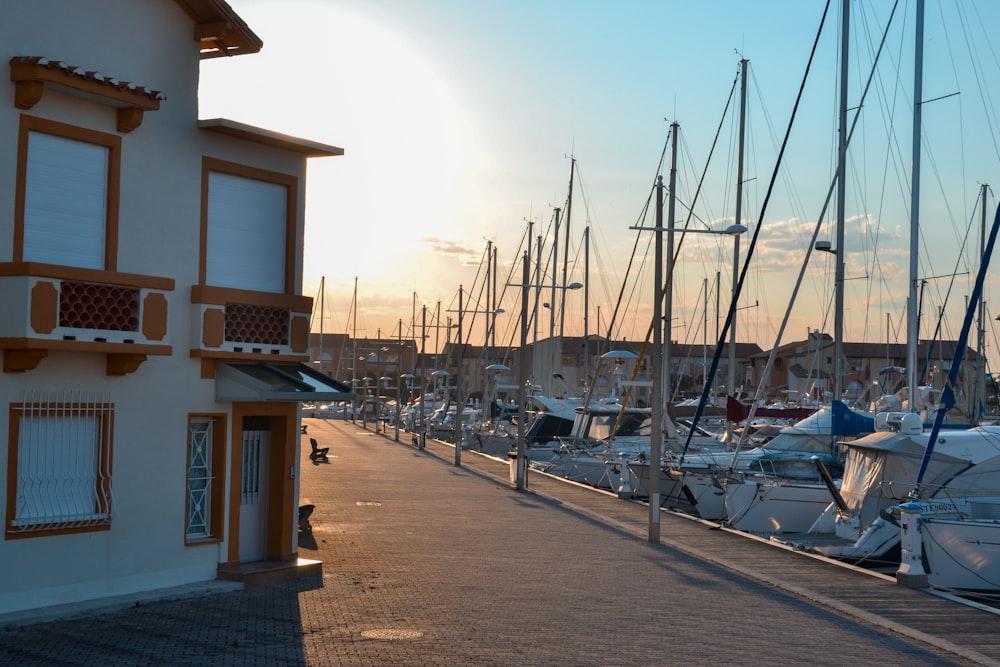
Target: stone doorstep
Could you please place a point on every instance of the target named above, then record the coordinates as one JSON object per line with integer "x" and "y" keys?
{"x": 265, "y": 572}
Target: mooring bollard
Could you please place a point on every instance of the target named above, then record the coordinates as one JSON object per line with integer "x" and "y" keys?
{"x": 911, "y": 571}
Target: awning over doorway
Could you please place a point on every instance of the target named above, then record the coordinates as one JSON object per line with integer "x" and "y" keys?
{"x": 276, "y": 382}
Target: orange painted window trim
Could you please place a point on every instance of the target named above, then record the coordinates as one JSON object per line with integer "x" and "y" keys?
{"x": 291, "y": 183}
{"x": 112, "y": 142}
{"x": 105, "y": 413}
{"x": 217, "y": 497}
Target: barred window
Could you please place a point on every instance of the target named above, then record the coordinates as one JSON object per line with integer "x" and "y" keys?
{"x": 61, "y": 451}
{"x": 203, "y": 521}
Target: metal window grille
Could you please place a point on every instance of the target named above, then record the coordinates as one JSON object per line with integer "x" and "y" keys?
{"x": 250, "y": 488}
{"x": 199, "y": 479}
{"x": 63, "y": 454}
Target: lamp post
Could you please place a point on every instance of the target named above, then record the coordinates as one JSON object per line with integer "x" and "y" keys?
{"x": 422, "y": 429}
{"x": 385, "y": 382}
{"x": 519, "y": 462}
{"x": 363, "y": 383}
{"x": 553, "y": 353}
{"x": 494, "y": 370}
{"x": 408, "y": 379}
{"x": 735, "y": 230}
{"x": 366, "y": 401}
{"x": 459, "y": 401}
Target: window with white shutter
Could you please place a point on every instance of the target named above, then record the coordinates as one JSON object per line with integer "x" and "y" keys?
{"x": 247, "y": 233}
{"x": 68, "y": 182}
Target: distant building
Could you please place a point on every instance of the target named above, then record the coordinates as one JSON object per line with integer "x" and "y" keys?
{"x": 802, "y": 370}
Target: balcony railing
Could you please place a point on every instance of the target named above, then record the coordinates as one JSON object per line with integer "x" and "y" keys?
{"x": 63, "y": 308}
{"x": 240, "y": 324}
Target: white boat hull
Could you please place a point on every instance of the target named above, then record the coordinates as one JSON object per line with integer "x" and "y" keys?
{"x": 763, "y": 507}
{"x": 962, "y": 555}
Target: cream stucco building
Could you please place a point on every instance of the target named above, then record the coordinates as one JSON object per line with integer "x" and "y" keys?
{"x": 153, "y": 326}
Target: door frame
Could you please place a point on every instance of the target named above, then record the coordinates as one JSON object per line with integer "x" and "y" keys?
{"x": 281, "y": 479}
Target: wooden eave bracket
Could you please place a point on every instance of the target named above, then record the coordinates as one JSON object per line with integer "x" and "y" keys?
{"x": 212, "y": 38}
{"x": 224, "y": 38}
{"x": 131, "y": 101}
{"x": 212, "y": 32}
{"x": 123, "y": 363}
{"x": 19, "y": 361}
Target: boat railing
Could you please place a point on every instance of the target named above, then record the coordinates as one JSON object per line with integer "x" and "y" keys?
{"x": 962, "y": 502}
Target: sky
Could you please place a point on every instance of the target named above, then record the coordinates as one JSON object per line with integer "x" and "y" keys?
{"x": 461, "y": 121}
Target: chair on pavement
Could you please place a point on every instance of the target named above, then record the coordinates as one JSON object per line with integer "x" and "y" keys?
{"x": 318, "y": 453}
{"x": 305, "y": 511}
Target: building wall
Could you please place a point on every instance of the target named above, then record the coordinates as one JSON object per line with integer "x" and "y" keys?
{"x": 151, "y": 44}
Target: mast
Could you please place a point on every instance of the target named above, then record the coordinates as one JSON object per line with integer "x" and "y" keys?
{"x": 521, "y": 467}
{"x": 586, "y": 302}
{"x": 354, "y": 348}
{"x": 493, "y": 307}
{"x": 838, "y": 310}
{"x": 322, "y": 292}
{"x": 739, "y": 221}
{"x": 656, "y": 425}
{"x": 459, "y": 403}
{"x": 912, "y": 320}
{"x": 979, "y": 403}
{"x": 538, "y": 285}
{"x": 666, "y": 370}
{"x": 552, "y": 306}
{"x": 437, "y": 333}
{"x": 569, "y": 211}
{"x": 704, "y": 336}
{"x": 489, "y": 267}
{"x": 420, "y": 377}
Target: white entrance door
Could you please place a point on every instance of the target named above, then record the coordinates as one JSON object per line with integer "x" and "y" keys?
{"x": 253, "y": 495}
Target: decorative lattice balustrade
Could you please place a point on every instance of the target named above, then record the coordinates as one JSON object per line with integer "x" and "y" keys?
{"x": 265, "y": 325}
{"x": 96, "y": 306}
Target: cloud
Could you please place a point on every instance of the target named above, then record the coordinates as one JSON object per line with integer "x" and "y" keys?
{"x": 448, "y": 247}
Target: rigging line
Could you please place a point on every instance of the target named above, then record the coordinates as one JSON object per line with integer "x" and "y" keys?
{"x": 614, "y": 315}
{"x": 753, "y": 241}
{"x": 819, "y": 222}
{"x": 463, "y": 346}
{"x": 692, "y": 333}
{"x": 596, "y": 239}
{"x": 948, "y": 395}
{"x": 661, "y": 291}
{"x": 947, "y": 294}
{"x": 983, "y": 96}
{"x": 643, "y": 215}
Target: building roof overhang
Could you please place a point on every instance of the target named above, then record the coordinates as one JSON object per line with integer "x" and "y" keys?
{"x": 219, "y": 30}
{"x": 269, "y": 138}
{"x": 276, "y": 382}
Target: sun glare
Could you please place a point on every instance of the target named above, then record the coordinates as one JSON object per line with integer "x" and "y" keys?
{"x": 343, "y": 80}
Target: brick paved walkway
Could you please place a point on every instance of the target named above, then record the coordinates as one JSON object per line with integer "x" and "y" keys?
{"x": 426, "y": 563}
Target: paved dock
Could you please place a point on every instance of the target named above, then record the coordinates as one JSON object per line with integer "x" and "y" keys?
{"x": 429, "y": 563}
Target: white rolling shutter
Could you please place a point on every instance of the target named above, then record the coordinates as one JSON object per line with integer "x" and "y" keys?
{"x": 246, "y": 233}
{"x": 65, "y": 203}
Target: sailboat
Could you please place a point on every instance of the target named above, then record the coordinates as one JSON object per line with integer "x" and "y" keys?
{"x": 700, "y": 481}
{"x": 960, "y": 514}
{"x": 768, "y": 504}
{"x": 879, "y": 471}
